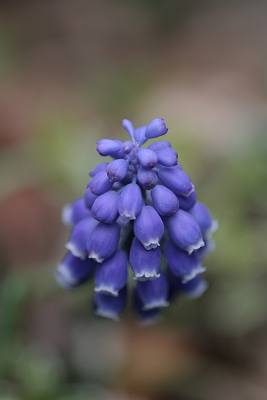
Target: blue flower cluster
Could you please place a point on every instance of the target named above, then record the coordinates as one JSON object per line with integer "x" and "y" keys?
{"x": 140, "y": 208}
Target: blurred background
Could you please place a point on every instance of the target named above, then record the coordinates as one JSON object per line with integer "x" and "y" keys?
{"x": 69, "y": 72}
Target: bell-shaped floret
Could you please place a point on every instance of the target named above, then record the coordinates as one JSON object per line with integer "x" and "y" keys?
{"x": 145, "y": 263}
{"x": 164, "y": 200}
{"x": 103, "y": 241}
{"x": 130, "y": 201}
{"x": 148, "y": 227}
{"x": 105, "y": 207}
{"x": 153, "y": 293}
{"x": 100, "y": 183}
{"x": 79, "y": 235}
{"x": 111, "y": 275}
{"x": 72, "y": 271}
{"x": 184, "y": 231}
{"x": 157, "y": 127}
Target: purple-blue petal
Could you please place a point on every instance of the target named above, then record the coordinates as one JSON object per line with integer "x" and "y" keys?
{"x": 179, "y": 261}
{"x": 187, "y": 202}
{"x": 98, "y": 168}
{"x": 78, "y": 238}
{"x": 111, "y": 275}
{"x": 109, "y": 147}
{"x": 140, "y": 134}
{"x": 89, "y": 197}
{"x": 147, "y": 158}
{"x": 147, "y": 179}
{"x": 159, "y": 145}
{"x": 100, "y": 183}
{"x": 184, "y": 231}
{"x": 117, "y": 170}
{"x": 153, "y": 293}
{"x": 167, "y": 156}
{"x": 176, "y": 180}
{"x": 75, "y": 212}
{"x": 109, "y": 306}
{"x": 73, "y": 271}
{"x": 103, "y": 241}
{"x": 157, "y": 127}
{"x": 105, "y": 207}
{"x": 164, "y": 200}
{"x": 202, "y": 215}
{"x": 148, "y": 227}
{"x": 144, "y": 263}
{"x": 130, "y": 201}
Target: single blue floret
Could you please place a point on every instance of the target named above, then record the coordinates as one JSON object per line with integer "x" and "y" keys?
{"x": 139, "y": 209}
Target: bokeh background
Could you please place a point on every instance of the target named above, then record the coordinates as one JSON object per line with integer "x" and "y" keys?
{"x": 69, "y": 72}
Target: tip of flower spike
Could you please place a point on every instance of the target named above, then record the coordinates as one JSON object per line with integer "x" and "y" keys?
{"x": 128, "y": 126}
{"x": 96, "y": 257}
{"x": 196, "y": 271}
{"x": 105, "y": 289}
{"x": 146, "y": 276}
{"x": 75, "y": 251}
{"x": 195, "y": 246}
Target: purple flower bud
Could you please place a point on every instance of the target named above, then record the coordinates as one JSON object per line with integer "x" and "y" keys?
{"x": 167, "y": 156}
{"x": 153, "y": 293}
{"x": 109, "y": 147}
{"x": 75, "y": 212}
{"x": 181, "y": 263}
{"x": 147, "y": 158}
{"x": 184, "y": 231}
{"x": 100, "y": 183}
{"x": 73, "y": 271}
{"x": 109, "y": 306}
{"x": 147, "y": 178}
{"x": 164, "y": 200}
{"x": 105, "y": 207}
{"x": 176, "y": 180}
{"x": 128, "y": 126}
{"x": 99, "y": 167}
{"x": 81, "y": 231}
{"x": 202, "y": 215}
{"x": 103, "y": 241}
{"x": 148, "y": 227}
{"x": 195, "y": 287}
{"x": 157, "y": 127}
{"x": 145, "y": 263}
{"x": 117, "y": 170}
{"x": 111, "y": 276}
{"x": 89, "y": 197}
{"x": 130, "y": 201}
{"x": 140, "y": 134}
{"x": 187, "y": 202}
{"x": 159, "y": 145}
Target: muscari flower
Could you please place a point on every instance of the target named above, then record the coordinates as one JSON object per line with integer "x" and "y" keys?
{"x": 138, "y": 229}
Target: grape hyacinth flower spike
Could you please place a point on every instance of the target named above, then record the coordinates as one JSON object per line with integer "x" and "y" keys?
{"x": 137, "y": 229}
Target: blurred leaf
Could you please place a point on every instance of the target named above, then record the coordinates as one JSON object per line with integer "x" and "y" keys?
{"x": 13, "y": 294}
